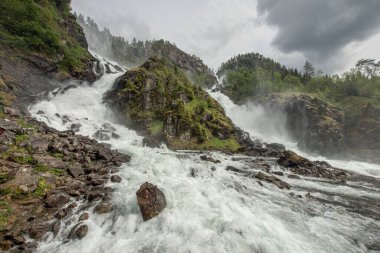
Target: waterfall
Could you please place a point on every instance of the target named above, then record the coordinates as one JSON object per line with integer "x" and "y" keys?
{"x": 209, "y": 209}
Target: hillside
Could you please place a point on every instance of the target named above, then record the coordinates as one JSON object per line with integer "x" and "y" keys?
{"x": 319, "y": 103}
{"x": 161, "y": 102}
{"x": 135, "y": 52}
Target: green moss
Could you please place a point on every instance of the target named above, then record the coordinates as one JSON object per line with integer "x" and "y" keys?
{"x": 58, "y": 155}
{"x": 5, "y": 212}
{"x": 24, "y": 159}
{"x": 22, "y": 137}
{"x": 42, "y": 188}
{"x": 24, "y": 124}
{"x": 44, "y": 169}
{"x": 155, "y": 128}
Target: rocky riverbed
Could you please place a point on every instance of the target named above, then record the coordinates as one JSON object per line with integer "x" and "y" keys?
{"x": 46, "y": 177}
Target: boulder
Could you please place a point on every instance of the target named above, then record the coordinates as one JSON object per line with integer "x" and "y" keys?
{"x": 116, "y": 179}
{"x": 151, "y": 200}
{"x": 103, "y": 207}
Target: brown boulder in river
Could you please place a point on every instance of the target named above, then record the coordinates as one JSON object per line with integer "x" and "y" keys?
{"x": 151, "y": 200}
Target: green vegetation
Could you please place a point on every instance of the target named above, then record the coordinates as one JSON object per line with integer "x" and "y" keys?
{"x": 253, "y": 76}
{"x": 5, "y": 212}
{"x": 21, "y": 137}
{"x": 136, "y": 52}
{"x": 160, "y": 99}
{"x": 44, "y": 169}
{"x": 42, "y": 188}
{"x": 42, "y": 27}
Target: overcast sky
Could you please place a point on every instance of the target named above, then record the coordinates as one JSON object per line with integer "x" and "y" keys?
{"x": 332, "y": 34}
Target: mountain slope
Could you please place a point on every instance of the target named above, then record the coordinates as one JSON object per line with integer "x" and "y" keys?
{"x": 137, "y": 52}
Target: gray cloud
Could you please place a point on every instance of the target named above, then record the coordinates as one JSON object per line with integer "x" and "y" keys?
{"x": 320, "y": 29}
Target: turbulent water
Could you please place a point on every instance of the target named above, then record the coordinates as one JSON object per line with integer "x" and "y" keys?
{"x": 209, "y": 209}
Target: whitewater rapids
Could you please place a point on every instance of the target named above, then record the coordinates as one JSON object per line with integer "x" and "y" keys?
{"x": 213, "y": 211}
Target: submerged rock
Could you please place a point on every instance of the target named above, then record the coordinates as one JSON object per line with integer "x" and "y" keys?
{"x": 151, "y": 200}
{"x": 272, "y": 179}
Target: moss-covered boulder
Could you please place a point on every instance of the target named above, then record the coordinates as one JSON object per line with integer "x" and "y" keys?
{"x": 159, "y": 100}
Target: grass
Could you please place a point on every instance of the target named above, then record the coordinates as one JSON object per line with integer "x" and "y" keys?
{"x": 5, "y": 212}
{"x": 36, "y": 27}
{"x": 22, "y": 137}
{"x": 44, "y": 169}
{"x": 42, "y": 188}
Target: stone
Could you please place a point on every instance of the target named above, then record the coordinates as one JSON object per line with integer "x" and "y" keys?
{"x": 57, "y": 200}
{"x": 84, "y": 216}
{"x": 209, "y": 159}
{"x": 151, "y": 200}
{"x": 5, "y": 245}
{"x": 16, "y": 239}
{"x": 102, "y": 208}
{"x": 56, "y": 227}
{"x": 272, "y": 179}
{"x": 37, "y": 231}
{"x": 75, "y": 172}
{"x": 79, "y": 231}
{"x": 116, "y": 179}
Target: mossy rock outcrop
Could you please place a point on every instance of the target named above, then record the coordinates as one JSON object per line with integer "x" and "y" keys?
{"x": 158, "y": 100}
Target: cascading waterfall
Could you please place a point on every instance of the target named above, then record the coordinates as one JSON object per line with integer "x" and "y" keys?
{"x": 209, "y": 208}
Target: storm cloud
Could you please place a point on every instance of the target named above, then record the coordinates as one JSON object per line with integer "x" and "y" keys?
{"x": 332, "y": 34}
{"x": 320, "y": 29}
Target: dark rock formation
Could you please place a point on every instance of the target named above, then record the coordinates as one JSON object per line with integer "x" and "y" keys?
{"x": 317, "y": 126}
{"x": 151, "y": 201}
{"x": 302, "y": 166}
{"x": 272, "y": 179}
{"x": 161, "y": 103}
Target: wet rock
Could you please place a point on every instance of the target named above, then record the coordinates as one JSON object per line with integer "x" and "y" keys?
{"x": 37, "y": 231}
{"x": 272, "y": 179}
{"x": 79, "y": 231}
{"x": 116, "y": 179}
{"x": 278, "y": 173}
{"x": 151, "y": 200}
{"x": 151, "y": 142}
{"x": 16, "y": 239}
{"x": 57, "y": 200}
{"x": 234, "y": 169}
{"x": 293, "y": 176}
{"x": 115, "y": 136}
{"x": 95, "y": 195}
{"x": 75, "y": 172}
{"x": 103, "y": 207}
{"x": 276, "y": 146}
{"x": 5, "y": 245}
{"x": 101, "y": 135}
{"x": 75, "y": 127}
{"x": 193, "y": 172}
{"x": 56, "y": 227}
{"x": 291, "y": 159}
{"x": 84, "y": 216}
{"x": 209, "y": 159}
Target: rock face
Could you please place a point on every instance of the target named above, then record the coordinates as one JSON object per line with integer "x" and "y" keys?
{"x": 363, "y": 133}
{"x": 151, "y": 201}
{"x": 162, "y": 103}
{"x": 317, "y": 127}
